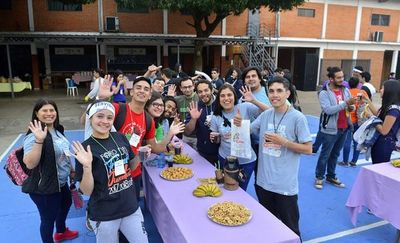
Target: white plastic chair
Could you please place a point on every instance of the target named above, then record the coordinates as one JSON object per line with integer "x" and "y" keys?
{"x": 71, "y": 87}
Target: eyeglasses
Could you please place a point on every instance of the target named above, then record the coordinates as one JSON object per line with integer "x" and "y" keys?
{"x": 159, "y": 105}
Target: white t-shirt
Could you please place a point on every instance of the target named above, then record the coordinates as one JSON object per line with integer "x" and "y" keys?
{"x": 371, "y": 88}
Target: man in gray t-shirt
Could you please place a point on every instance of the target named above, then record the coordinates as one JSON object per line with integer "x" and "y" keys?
{"x": 284, "y": 135}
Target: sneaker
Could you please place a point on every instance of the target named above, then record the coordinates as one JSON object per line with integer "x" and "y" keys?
{"x": 369, "y": 211}
{"x": 353, "y": 164}
{"x": 344, "y": 164}
{"x": 319, "y": 183}
{"x": 335, "y": 182}
{"x": 67, "y": 235}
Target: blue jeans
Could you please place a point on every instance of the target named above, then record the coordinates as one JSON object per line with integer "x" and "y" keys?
{"x": 347, "y": 146}
{"x": 247, "y": 169}
{"x": 331, "y": 147}
{"x": 52, "y": 208}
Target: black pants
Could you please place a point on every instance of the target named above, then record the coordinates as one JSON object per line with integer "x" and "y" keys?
{"x": 52, "y": 208}
{"x": 283, "y": 207}
{"x": 212, "y": 158}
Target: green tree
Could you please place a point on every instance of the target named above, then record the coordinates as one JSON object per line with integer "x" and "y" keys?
{"x": 207, "y": 14}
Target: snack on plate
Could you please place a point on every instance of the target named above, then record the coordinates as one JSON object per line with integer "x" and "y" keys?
{"x": 182, "y": 159}
{"x": 210, "y": 180}
{"x": 396, "y": 163}
{"x": 205, "y": 190}
{"x": 229, "y": 213}
{"x": 176, "y": 173}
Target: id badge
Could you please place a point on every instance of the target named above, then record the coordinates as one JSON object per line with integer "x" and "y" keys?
{"x": 119, "y": 167}
{"x": 272, "y": 149}
{"x": 134, "y": 141}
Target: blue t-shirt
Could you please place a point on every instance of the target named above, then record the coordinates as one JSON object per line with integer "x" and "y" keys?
{"x": 202, "y": 129}
{"x": 278, "y": 166}
{"x": 389, "y": 140}
{"x": 248, "y": 111}
{"x": 60, "y": 144}
{"x": 120, "y": 96}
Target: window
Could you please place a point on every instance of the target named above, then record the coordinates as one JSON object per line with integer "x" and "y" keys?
{"x": 129, "y": 9}
{"x": 55, "y": 5}
{"x": 380, "y": 19}
{"x": 306, "y": 12}
{"x": 5, "y": 4}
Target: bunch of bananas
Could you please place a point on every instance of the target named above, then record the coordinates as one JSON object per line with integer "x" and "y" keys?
{"x": 205, "y": 190}
{"x": 396, "y": 163}
{"x": 182, "y": 159}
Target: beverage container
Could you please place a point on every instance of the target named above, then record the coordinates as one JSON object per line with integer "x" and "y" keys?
{"x": 219, "y": 176}
{"x": 178, "y": 148}
{"x": 143, "y": 151}
{"x": 170, "y": 160}
{"x": 215, "y": 137}
{"x": 231, "y": 173}
{"x": 359, "y": 96}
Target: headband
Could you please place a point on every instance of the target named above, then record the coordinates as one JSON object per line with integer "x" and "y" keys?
{"x": 102, "y": 105}
{"x": 357, "y": 70}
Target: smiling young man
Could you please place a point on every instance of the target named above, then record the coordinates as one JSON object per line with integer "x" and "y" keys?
{"x": 199, "y": 118}
{"x": 186, "y": 86}
{"x": 334, "y": 99}
{"x": 284, "y": 136}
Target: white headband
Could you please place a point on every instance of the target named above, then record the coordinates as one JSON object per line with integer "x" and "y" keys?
{"x": 357, "y": 70}
{"x": 103, "y": 105}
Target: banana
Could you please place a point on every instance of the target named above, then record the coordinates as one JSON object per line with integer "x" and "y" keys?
{"x": 205, "y": 190}
{"x": 396, "y": 163}
{"x": 182, "y": 159}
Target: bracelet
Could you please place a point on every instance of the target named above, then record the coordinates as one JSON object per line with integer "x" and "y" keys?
{"x": 38, "y": 142}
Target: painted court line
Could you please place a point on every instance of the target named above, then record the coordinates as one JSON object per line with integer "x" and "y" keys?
{"x": 10, "y": 147}
{"x": 347, "y": 232}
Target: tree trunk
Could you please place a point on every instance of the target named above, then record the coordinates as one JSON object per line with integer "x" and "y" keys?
{"x": 198, "y": 55}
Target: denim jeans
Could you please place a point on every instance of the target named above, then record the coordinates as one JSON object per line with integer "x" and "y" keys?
{"x": 347, "y": 146}
{"x": 331, "y": 147}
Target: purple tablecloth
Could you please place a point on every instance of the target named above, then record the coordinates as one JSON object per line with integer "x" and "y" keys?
{"x": 181, "y": 217}
{"x": 377, "y": 187}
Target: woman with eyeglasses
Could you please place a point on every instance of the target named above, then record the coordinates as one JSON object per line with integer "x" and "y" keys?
{"x": 164, "y": 131}
{"x": 227, "y": 109}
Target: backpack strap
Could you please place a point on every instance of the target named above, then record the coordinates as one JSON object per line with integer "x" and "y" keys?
{"x": 120, "y": 117}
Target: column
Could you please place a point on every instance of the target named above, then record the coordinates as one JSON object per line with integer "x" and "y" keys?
{"x": 358, "y": 22}
{"x": 395, "y": 58}
{"x": 35, "y": 67}
{"x": 320, "y": 57}
{"x": 324, "y": 20}
{"x": 103, "y": 57}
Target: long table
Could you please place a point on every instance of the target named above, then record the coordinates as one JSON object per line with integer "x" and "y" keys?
{"x": 182, "y": 218}
{"x": 377, "y": 187}
{"x": 18, "y": 87}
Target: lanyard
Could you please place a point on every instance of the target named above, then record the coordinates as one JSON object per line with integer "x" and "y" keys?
{"x": 105, "y": 147}
{"x": 279, "y": 123}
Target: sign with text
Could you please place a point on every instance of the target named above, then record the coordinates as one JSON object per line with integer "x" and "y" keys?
{"x": 69, "y": 51}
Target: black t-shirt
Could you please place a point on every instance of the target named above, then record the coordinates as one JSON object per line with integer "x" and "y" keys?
{"x": 113, "y": 197}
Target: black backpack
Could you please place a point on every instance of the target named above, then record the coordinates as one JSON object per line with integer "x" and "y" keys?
{"x": 120, "y": 118}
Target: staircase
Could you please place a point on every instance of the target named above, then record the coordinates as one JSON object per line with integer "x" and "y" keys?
{"x": 258, "y": 51}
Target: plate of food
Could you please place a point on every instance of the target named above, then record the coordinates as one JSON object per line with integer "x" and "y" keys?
{"x": 176, "y": 173}
{"x": 229, "y": 213}
{"x": 182, "y": 159}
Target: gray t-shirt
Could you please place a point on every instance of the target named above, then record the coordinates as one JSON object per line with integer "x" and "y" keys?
{"x": 60, "y": 144}
{"x": 278, "y": 166}
{"x": 248, "y": 111}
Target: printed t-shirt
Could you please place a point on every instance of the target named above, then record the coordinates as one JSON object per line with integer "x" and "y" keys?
{"x": 135, "y": 124}
{"x": 113, "y": 195}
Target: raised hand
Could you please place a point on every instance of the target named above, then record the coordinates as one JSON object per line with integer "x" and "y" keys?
{"x": 153, "y": 68}
{"x": 193, "y": 110}
{"x": 83, "y": 156}
{"x": 171, "y": 90}
{"x": 37, "y": 130}
{"x": 247, "y": 95}
{"x": 105, "y": 87}
{"x": 176, "y": 128}
{"x": 237, "y": 120}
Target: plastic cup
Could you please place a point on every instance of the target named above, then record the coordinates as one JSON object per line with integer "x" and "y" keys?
{"x": 215, "y": 137}
{"x": 143, "y": 151}
{"x": 178, "y": 148}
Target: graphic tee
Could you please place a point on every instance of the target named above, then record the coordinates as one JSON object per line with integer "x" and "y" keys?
{"x": 342, "y": 120}
{"x": 113, "y": 196}
{"x": 135, "y": 126}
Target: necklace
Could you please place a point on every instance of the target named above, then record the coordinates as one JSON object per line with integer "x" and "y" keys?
{"x": 279, "y": 123}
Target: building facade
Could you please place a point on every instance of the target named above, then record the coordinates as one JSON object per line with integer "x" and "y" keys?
{"x": 46, "y": 38}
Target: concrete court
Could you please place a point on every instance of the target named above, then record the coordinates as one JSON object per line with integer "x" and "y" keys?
{"x": 16, "y": 113}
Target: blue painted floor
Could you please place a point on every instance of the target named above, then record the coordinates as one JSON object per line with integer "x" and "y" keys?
{"x": 322, "y": 212}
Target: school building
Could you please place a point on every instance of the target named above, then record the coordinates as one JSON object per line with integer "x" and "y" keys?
{"x": 47, "y": 38}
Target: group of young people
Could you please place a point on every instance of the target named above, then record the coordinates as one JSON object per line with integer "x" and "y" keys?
{"x": 110, "y": 173}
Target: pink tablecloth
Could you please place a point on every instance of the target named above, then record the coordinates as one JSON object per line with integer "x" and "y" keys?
{"x": 377, "y": 187}
{"x": 81, "y": 78}
{"x": 180, "y": 217}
